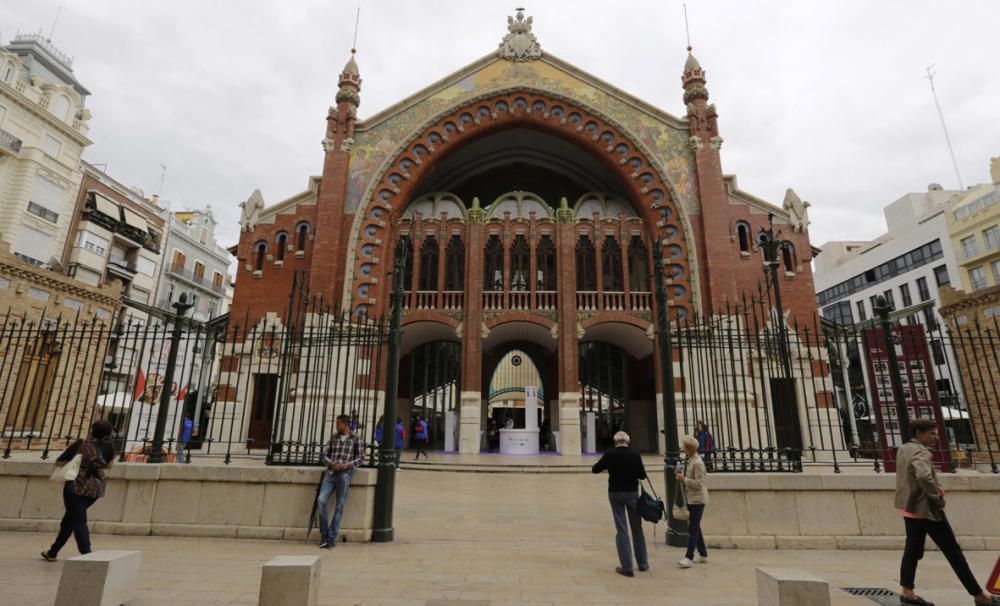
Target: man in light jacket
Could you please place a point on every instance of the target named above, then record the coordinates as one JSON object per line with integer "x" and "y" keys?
{"x": 920, "y": 500}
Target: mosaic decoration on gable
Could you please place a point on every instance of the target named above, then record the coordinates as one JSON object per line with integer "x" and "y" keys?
{"x": 374, "y": 146}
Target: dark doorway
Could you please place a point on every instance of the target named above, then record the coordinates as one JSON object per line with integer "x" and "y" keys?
{"x": 435, "y": 372}
{"x": 787, "y": 430}
{"x": 265, "y": 393}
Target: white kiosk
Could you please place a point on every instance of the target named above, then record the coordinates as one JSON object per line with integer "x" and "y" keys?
{"x": 523, "y": 441}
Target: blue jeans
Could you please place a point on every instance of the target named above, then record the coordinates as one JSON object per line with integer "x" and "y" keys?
{"x": 696, "y": 540}
{"x": 338, "y": 482}
{"x": 622, "y": 504}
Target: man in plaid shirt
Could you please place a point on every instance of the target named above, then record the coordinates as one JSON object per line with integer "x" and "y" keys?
{"x": 344, "y": 453}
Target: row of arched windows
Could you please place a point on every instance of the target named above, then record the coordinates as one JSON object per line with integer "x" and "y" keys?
{"x": 281, "y": 245}
{"x": 613, "y": 271}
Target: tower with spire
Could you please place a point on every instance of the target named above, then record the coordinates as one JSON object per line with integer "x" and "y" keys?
{"x": 715, "y": 214}
{"x": 327, "y": 276}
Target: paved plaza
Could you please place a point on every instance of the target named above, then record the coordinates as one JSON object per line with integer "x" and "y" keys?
{"x": 474, "y": 538}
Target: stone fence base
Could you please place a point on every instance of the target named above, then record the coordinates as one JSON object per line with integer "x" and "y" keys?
{"x": 751, "y": 511}
{"x": 188, "y": 500}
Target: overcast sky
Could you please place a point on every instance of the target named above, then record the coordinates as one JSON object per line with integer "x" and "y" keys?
{"x": 826, "y": 97}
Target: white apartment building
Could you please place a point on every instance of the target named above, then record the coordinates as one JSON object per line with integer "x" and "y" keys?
{"x": 43, "y": 132}
{"x": 194, "y": 264}
{"x": 906, "y": 265}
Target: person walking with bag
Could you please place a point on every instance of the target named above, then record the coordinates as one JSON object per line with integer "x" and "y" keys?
{"x": 625, "y": 469}
{"x": 694, "y": 479}
{"x": 96, "y": 456}
{"x": 920, "y": 501}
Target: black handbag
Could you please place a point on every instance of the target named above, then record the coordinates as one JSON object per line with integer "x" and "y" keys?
{"x": 650, "y": 508}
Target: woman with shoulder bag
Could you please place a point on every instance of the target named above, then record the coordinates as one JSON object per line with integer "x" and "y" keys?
{"x": 96, "y": 458}
{"x": 694, "y": 478}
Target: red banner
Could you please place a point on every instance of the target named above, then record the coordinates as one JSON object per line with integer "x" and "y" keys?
{"x": 919, "y": 390}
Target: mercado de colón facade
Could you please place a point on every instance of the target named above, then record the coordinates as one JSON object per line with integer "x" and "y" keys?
{"x": 529, "y": 194}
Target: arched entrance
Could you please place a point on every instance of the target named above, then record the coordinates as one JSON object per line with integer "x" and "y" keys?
{"x": 544, "y": 218}
{"x": 515, "y": 400}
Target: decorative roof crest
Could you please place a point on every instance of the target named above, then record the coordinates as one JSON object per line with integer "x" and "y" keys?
{"x": 519, "y": 44}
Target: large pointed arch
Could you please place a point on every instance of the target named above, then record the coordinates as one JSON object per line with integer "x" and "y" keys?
{"x": 642, "y": 175}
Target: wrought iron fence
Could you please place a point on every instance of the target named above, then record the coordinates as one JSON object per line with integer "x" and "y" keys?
{"x": 268, "y": 387}
{"x": 820, "y": 393}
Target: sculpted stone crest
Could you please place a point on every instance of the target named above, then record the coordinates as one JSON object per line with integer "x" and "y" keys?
{"x": 251, "y": 210}
{"x": 798, "y": 216}
{"x": 519, "y": 44}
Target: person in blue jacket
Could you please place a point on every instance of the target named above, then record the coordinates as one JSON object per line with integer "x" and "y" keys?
{"x": 420, "y": 436}
{"x": 400, "y": 437}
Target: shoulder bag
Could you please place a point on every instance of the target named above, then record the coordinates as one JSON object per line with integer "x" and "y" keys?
{"x": 69, "y": 471}
{"x": 650, "y": 508}
{"x": 680, "y": 510}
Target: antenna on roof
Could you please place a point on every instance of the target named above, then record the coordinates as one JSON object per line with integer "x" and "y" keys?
{"x": 54, "y": 21}
{"x": 357, "y": 19}
{"x": 687, "y": 30}
{"x": 163, "y": 176}
{"x": 930, "y": 77}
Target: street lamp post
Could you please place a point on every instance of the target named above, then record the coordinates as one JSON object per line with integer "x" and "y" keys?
{"x": 677, "y": 530}
{"x": 181, "y": 307}
{"x": 385, "y": 486}
{"x": 772, "y": 246}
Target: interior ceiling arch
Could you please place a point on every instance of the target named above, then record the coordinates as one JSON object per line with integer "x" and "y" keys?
{"x": 521, "y": 159}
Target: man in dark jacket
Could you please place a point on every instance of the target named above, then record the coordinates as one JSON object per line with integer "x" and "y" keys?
{"x": 624, "y": 466}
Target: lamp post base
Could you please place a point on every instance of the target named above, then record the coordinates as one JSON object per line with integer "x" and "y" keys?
{"x": 386, "y": 535}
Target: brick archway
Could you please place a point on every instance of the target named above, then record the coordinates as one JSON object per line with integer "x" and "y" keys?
{"x": 649, "y": 191}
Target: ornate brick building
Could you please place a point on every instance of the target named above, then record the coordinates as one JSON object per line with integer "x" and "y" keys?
{"x": 529, "y": 193}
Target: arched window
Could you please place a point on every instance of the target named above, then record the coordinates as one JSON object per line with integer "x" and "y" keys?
{"x": 611, "y": 265}
{"x": 788, "y": 256}
{"x": 429, "y": 252}
{"x": 743, "y": 236}
{"x": 8, "y": 72}
{"x": 454, "y": 264}
{"x": 493, "y": 266}
{"x": 520, "y": 263}
{"x": 545, "y": 251}
{"x": 260, "y": 252}
{"x": 301, "y": 235}
{"x": 638, "y": 265}
{"x": 281, "y": 243}
{"x": 586, "y": 265}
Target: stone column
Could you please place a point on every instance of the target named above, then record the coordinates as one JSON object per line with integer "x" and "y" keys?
{"x": 568, "y": 348}
{"x": 470, "y": 423}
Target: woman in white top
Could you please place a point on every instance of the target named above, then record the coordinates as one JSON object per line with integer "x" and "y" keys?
{"x": 694, "y": 476}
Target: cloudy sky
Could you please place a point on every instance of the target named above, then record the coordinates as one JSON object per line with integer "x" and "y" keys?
{"x": 826, "y": 97}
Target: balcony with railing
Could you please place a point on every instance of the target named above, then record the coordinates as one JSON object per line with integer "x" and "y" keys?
{"x": 197, "y": 279}
{"x": 9, "y": 143}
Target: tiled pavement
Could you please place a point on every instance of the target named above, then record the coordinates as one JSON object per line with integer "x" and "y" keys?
{"x": 465, "y": 538}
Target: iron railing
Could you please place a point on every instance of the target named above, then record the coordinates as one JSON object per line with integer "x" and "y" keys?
{"x": 9, "y": 141}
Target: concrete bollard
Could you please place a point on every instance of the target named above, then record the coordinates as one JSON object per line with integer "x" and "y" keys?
{"x": 790, "y": 587}
{"x": 100, "y": 578}
{"x": 290, "y": 581}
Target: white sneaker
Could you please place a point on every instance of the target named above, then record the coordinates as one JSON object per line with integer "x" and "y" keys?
{"x": 685, "y": 563}
{"x": 701, "y": 559}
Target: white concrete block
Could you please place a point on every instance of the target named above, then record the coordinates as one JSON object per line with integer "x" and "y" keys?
{"x": 790, "y": 587}
{"x": 290, "y": 581}
{"x": 100, "y": 578}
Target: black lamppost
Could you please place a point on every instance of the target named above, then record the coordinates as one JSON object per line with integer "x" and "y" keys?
{"x": 385, "y": 485}
{"x": 181, "y": 307}
{"x": 677, "y": 530}
{"x": 773, "y": 248}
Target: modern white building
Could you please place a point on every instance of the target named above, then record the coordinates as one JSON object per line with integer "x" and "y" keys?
{"x": 43, "y": 132}
{"x": 907, "y": 265}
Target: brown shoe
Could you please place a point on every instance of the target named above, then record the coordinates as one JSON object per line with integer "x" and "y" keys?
{"x": 624, "y": 573}
{"x": 47, "y": 557}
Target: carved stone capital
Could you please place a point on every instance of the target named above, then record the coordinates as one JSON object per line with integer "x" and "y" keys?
{"x": 327, "y": 144}
{"x": 695, "y": 143}
{"x": 716, "y": 142}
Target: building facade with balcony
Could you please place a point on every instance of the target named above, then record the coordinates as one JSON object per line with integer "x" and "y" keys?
{"x": 529, "y": 195}
{"x": 974, "y": 228}
{"x": 43, "y": 132}
{"x": 194, "y": 264}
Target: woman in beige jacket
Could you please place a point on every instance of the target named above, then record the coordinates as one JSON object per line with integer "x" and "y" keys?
{"x": 694, "y": 476}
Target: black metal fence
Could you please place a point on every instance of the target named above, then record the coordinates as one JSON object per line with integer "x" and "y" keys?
{"x": 777, "y": 394}
{"x": 268, "y": 387}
